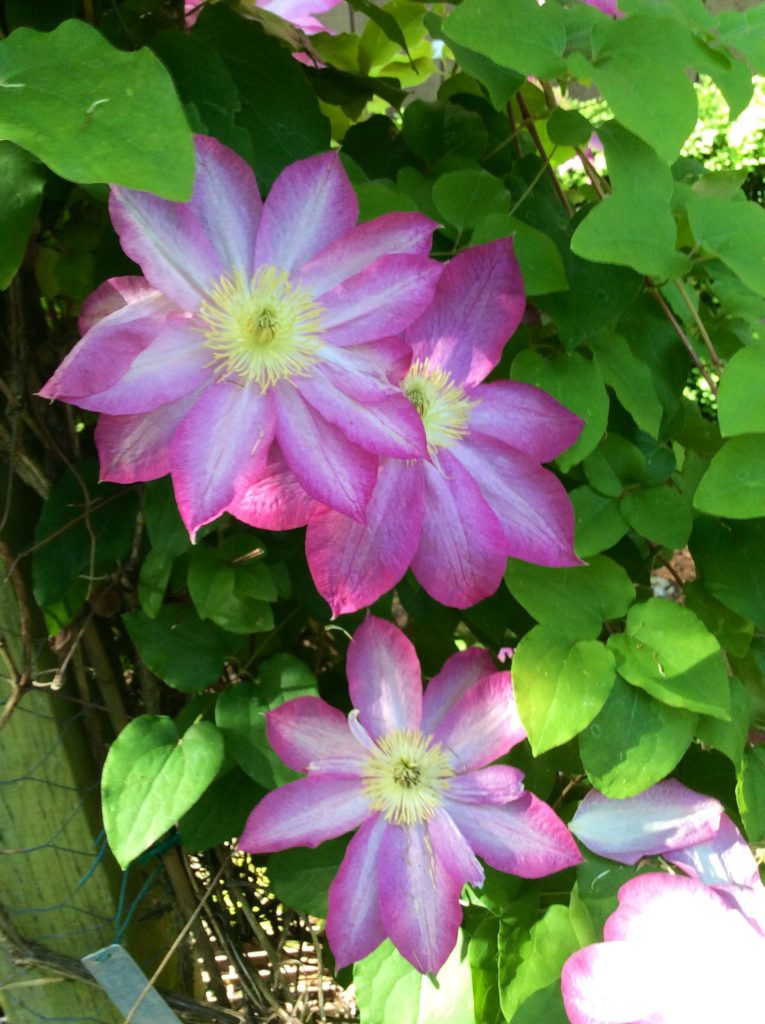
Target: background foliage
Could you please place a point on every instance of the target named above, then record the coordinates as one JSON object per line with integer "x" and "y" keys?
{"x": 643, "y": 255}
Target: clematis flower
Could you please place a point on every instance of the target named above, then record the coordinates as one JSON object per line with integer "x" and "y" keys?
{"x": 300, "y": 12}
{"x": 253, "y": 323}
{"x": 480, "y": 495}
{"x": 408, "y": 770}
{"x": 675, "y": 953}
{"x": 679, "y": 950}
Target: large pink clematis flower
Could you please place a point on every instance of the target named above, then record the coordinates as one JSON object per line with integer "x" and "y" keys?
{"x": 679, "y": 950}
{"x": 481, "y": 494}
{"x": 408, "y": 771}
{"x": 254, "y": 322}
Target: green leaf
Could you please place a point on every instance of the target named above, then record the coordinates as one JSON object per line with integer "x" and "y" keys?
{"x": 576, "y": 383}
{"x": 390, "y": 991}
{"x": 732, "y": 630}
{"x": 240, "y": 715}
{"x": 21, "y": 187}
{"x": 560, "y": 684}
{"x": 640, "y": 66}
{"x": 630, "y": 378}
{"x": 482, "y": 956}
{"x": 668, "y": 652}
{"x": 634, "y": 226}
{"x": 729, "y": 563}
{"x": 383, "y": 19}
{"x": 279, "y": 108}
{"x": 659, "y": 513}
{"x": 744, "y": 31}
{"x": 550, "y": 943}
{"x": 225, "y": 594}
{"x": 750, "y": 793}
{"x": 598, "y": 293}
{"x": 590, "y": 594}
{"x": 734, "y": 484}
{"x": 734, "y": 232}
{"x": 151, "y": 777}
{"x": 615, "y": 465}
{"x": 516, "y": 34}
{"x": 202, "y": 79}
{"x": 221, "y": 812}
{"x": 301, "y": 878}
{"x": 540, "y": 262}
{"x": 120, "y": 122}
{"x": 729, "y": 737}
{"x": 435, "y": 130}
{"x": 85, "y": 529}
{"x": 284, "y": 677}
{"x": 163, "y": 521}
{"x": 634, "y": 742}
{"x": 568, "y": 128}
{"x": 500, "y": 83}
{"x": 180, "y": 648}
{"x": 599, "y": 524}
{"x": 740, "y": 407}
{"x": 152, "y": 581}
{"x": 545, "y": 1004}
{"x": 463, "y": 198}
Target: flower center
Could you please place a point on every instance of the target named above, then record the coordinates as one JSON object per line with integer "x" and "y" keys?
{"x": 263, "y": 330}
{"x": 443, "y": 407}
{"x": 405, "y": 777}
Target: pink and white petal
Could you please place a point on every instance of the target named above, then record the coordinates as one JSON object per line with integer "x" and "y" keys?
{"x": 460, "y": 672}
{"x": 453, "y": 851}
{"x": 365, "y": 243}
{"x": 380, "y": 301}
{"x": 524, "y": 417}
{"x": 329, "y": 466}
{"x": 105, "y": 353}
{"x": 665, "y": 817}
{"x": 497, "y": 784}
{"x": 369, "y": 372}
{"x": 133, "y": 448}
{"x": 530, "y": 502}
{"x": 384, "y": 678}
{"x": 227, "y": 203}
{"x": 482, "y": 725}
{"x": 524, "y": 837}
{"x": 112, "y": 295}
{"x": 461, "y": 557}
{"x": 707, "y": 955}
{"x": 310, "y": 205}
{"x": 291, "y": 9}
{"x": 174, "y": 364}
{"x": 610, "y": 983}
{"x": 725, "y": 859}
{"x": 354, "y": 925}
{"x": 305, "y": 813}
{"x": 272, "y": 498}
{"x": 307, "y": 731}
{"x": 352, "y": 564}
{"x": 168, "y": 243}
{"x": 390, "y": 426}
{"x": 477, "y": 306}
{"x": 208, "y": 456}
{"x": 419, "y": 897}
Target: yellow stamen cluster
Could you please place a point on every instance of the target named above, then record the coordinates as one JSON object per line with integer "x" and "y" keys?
{"x": 441, "y": 403}
{"x": 263, "y": 330}
{"x": 406, "y": 777}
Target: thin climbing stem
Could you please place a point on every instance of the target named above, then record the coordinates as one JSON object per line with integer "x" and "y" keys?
{"x": 531, "y": 129}
{"x": 683, "y": 338}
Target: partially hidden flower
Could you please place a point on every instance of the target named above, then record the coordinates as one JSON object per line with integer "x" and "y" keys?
{"x": 606, "y": 6}
{"x": 480, "y": 494}
{"x": 300, "y": 12}
{"x": 253, "y": 323}
{"x": 680, "y": 949}
{"x": 407, "y": 770}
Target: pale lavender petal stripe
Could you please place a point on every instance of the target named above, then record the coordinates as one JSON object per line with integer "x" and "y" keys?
{"x": 384, "y": 678}
{"x": 354, "y": 924}
{"x": 305, "y": 813}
